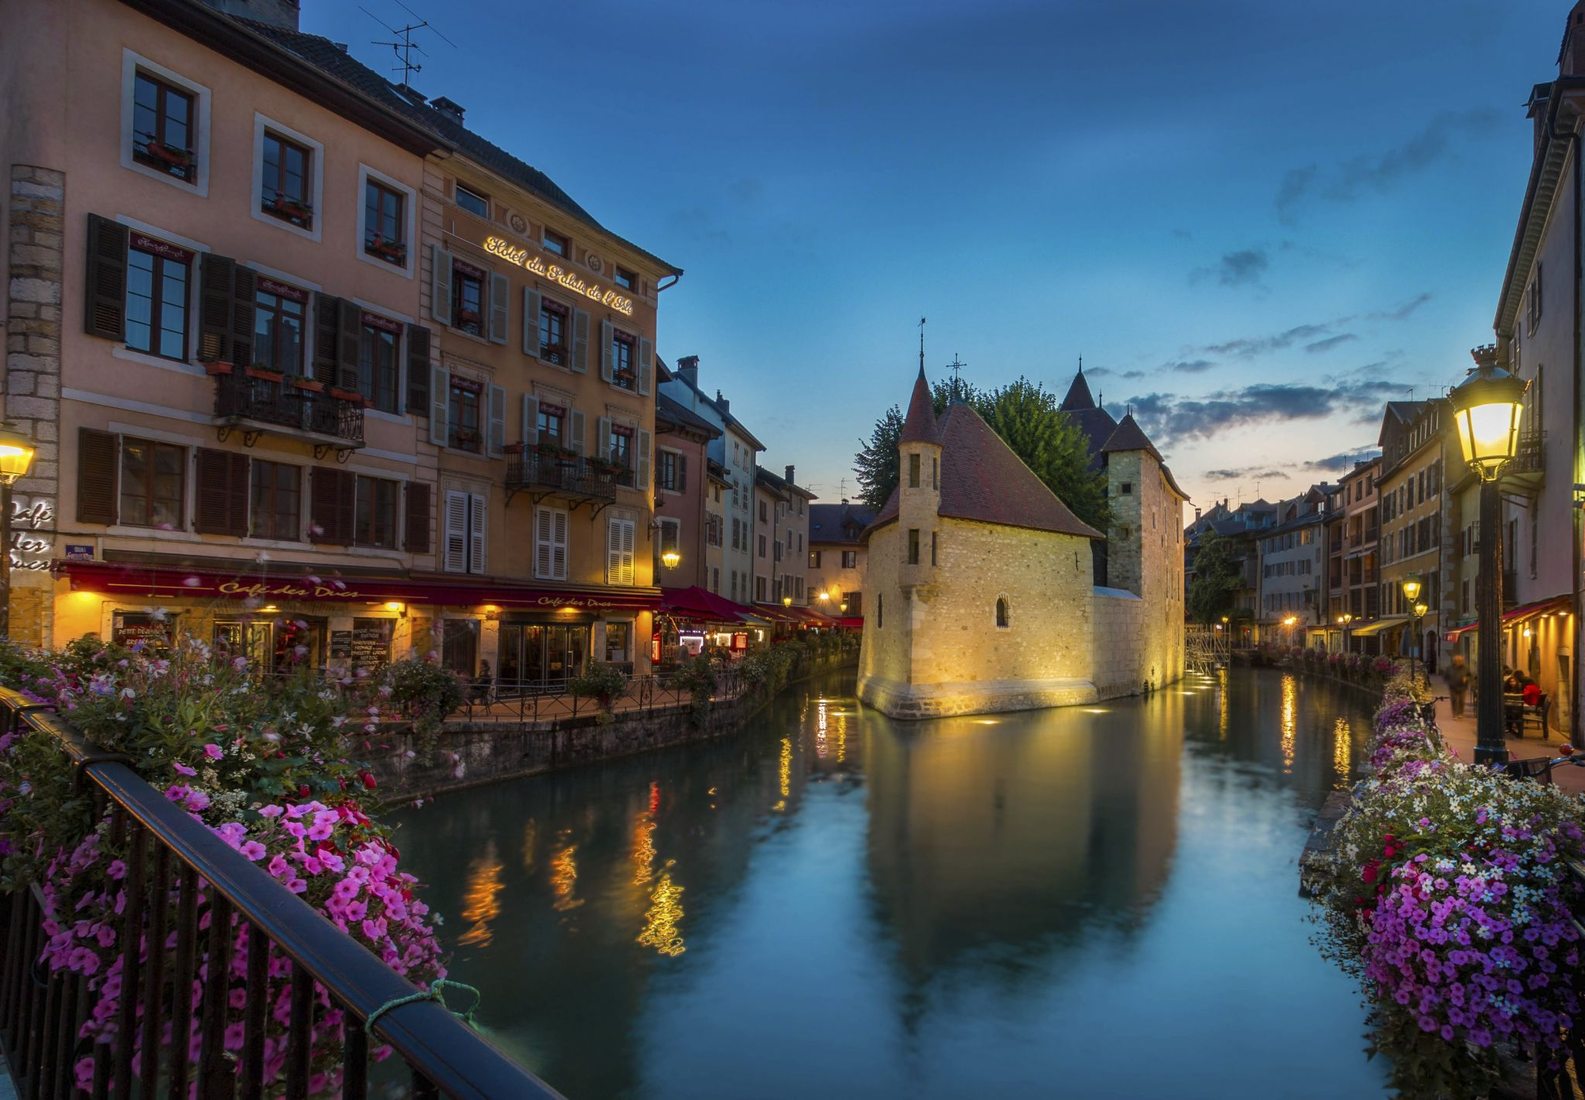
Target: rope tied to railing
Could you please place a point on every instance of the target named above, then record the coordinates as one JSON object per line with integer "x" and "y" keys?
{"x": 433, "y": 993}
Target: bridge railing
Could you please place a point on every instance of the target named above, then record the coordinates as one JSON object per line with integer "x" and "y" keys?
{"x": 218, "y": 891}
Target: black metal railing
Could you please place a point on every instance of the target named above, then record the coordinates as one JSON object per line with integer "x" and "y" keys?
{"x": 571, "y": 474}
{"x": 527, "y": 702}
{"x": 217, "y": 892}
{"x": 1530, "y": 457}
{"x": 242, "y": 397}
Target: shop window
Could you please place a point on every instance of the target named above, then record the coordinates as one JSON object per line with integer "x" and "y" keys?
{"x": 164, "y": 127}
{"x": 150, "y": 631}
{"x": 152, "y": 484}
{"x": 384, "y": 222}
{"x": 620, "y": 564}
{"x": 550, "y": 544}
{"x": 159, "y": 282}
{"x": 276, "y": 493}
{"x": 618, "y": 637}
{"x": 472, "y": 201}
{"x": 285, "y": 182}
{"x": 279, "y": 322}
{"x": 459, "y": 646}
{"x": 379, "y": 362}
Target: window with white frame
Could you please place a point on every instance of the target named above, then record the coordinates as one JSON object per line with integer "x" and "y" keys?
{"x": 288, "y": 177}
{"x": 385, "y": 220}
{"x": 164, "y": 124}
{"x": 550, "y": 544}
{"x": 619, "y": 568}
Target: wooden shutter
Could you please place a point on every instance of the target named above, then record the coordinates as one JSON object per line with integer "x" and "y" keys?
{"x": 529, "y": 420}
{"x": 97, "y": 490}
{"x": 349, "y": 335}
{"x": 455, "y": 547}
{"x": 244, "y": 292}
{"x": 439, "y": 405}
{"x": 606, "y": 335}
{"x": 417, "y": 370}
{"x": 105, "y": 304}
{"x": 220, "y": 505}
{"x": 440, "y": 284}
{"x": 682, "y": 473}
{"x": 477, "y": 516}
{"x": 333, "y": 507}
{"x": 641, "y": 468}
{"x": 580, "y": 341}
{"x": 531, "y": 321}
{"x": 500, "y": 290}
{"x": 327, "y": 342}
{"x": 496, "y": 441}
{"x": 646, "y": 365}
{"x": 417, "y": 541}
{"x": 558, "y": 545}
{"x": 602, "y": 439}
{"x": 619, "y": 552}
{"x": 577, "y": 441}
{"x": 544, "y": 525}
{"x": 216, "y": 276}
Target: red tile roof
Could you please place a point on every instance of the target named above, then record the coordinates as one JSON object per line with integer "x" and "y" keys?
{"x": 983, "y": 480}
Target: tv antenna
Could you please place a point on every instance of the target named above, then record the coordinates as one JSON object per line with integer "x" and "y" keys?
{"x": 402, "y": 44}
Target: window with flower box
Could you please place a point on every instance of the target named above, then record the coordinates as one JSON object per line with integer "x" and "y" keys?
{"x": 285, "y": 186}
{"x": 163, "y": 127}
{"x": 467, "y": 298}
{"x": 623, "y": 353}
{"x": 384, "y": 222}
{"x": 553, "y": 332}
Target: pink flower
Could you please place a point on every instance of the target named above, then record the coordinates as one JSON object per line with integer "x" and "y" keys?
{"x": 253, "y": 850}
{"x": 183, "y": 769}
{"x": 213, "y": 751}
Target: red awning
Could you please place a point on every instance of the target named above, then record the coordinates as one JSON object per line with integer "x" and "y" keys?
{"x": 1539, "y": 607}
{"x": 298, "y": 583}
{"x": 702, "y": 604}
{"x": 851, "y": 622}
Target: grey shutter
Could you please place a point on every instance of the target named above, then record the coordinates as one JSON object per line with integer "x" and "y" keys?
{"x": 646, "y": 365}
{"x": 440, "y": 284}
{"x": 558, "y": 546}
{"x": 500, "y": 289}
{"x": 531, "y": 322}
{"x": 497, "y": 436}
{"x": 543, "y": 529}
{"x": 530, "y": 420}
{"x": 476, "y": 532}
{"x": 349, "y": 335}
{"x": 605, "y": 350}
{"x": 454, "y": 545}
{"x": 580, "y": 341}
{"x": 417, "y": 370}
{"x": 106, "y": 312}
{"x": 440, "y": 405}
{"x": 578, "y": 429}
{"x": 641, "y": 470}
{"x": 602, "y": 439}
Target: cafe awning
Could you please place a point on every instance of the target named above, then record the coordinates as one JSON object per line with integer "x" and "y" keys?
{"x": 702, "y": 605}
{"x": 1539, "y": 607}
{"x": 1386, "y": 622}
{"x": 136, "y": 580}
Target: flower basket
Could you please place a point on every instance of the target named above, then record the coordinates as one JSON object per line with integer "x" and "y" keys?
{"x": 290, "y": 209}
{"x": 313, "y": 385}
{"x": 169, "y": 155}
{"x": 217, "y": 368}
{"x": 394, "y": 252}
{"x": 513, "y": 448}
{"x": 350, "y": 396}
{"x": 624, "y": 378}
{"x": 467, "y": 317}
{"x": 264, "y": 374}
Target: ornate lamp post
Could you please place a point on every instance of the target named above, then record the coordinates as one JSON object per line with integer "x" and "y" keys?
{"x": 1486, "y": 410}
{"x": 1411, "y": 595}
{"x": 1343, "y": 620}
{"x": 16, "y": 457}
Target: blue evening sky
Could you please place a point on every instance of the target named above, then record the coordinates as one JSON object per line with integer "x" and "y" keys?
{"x": 1255, "y": 221}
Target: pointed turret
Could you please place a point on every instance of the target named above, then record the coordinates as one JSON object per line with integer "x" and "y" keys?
{"x": 1078, "y": 394}
{"x": 919, "y": 426}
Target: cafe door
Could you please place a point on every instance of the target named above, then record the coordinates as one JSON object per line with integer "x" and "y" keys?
{"x": 537, "y": 652}
{"x": 273, "y": 645}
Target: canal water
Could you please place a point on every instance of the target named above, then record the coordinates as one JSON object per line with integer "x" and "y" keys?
{"x": 1087, "y": 902}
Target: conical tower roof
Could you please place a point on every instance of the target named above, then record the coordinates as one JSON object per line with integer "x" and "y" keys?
{"x": 919, "y": 426}
{"x": 1079, "y": 396}
{"x": 1129, "y": 436}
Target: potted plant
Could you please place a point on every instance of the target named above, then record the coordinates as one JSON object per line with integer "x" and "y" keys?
{"x": 390, "y": 251}
{"x": 293, "y": 210}
{"x": 265, "y": 374}
{"x": 169, "y": 155}
{"x": 304, "y": 382}
{"x": 604, "y": 683}
{"x": 352, "y": 396}
{"x": 215, "y": 366}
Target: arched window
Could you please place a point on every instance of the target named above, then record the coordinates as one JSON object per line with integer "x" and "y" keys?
{"x": 1001, "y": 612}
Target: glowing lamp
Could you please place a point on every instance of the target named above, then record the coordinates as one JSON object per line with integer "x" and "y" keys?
{"x": 824, "y": 597}
{"x": 1411, "y": 589}
{"x": 1420, "y": 610}
{"x": 786, "y": 601}
{"x": 1486, "y": 410}
{"x": 16, "y": 456}
{"x": 670, "y": 559}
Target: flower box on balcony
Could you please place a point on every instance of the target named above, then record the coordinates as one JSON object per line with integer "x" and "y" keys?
{"x": 467, "y": 317}
{"x": 340, "y": 394}
{"x": 392, "y": 252}
{"x": 313, "y": 385}
{"x": 514, "y": 448}
{"x": 264, "y": 374}
{"x": 217, "y": 368}
{"x": 624, "y": 378}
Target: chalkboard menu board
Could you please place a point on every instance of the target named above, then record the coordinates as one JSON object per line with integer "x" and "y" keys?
{"x": 142, "y": 630}
{"x": 340, "y": 645}
{"x": 370, "y": 643}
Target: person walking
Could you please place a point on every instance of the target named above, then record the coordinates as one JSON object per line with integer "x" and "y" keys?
{"x": 1457, "y": 684}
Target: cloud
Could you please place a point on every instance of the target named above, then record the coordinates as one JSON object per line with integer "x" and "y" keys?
{"x": 1250, "y": 347}
{"x": 1377, "y": 173}
{"x": 1330, "y": 342}
{"x": 1244, "y": 472}
{"x": 1168, "y": 418}
{"x": 1403, "y": 311}
{"x": 1343, "y": 461}
{"x": 1189, "y": 366}
{"x": 1241, "y": 268}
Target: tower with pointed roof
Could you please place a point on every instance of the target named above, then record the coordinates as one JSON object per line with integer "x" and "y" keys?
{"x": 919, "y": 485}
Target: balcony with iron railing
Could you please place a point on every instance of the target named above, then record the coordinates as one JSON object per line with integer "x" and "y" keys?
{"x": 1526, "y": 472}
{"x": 541, "y": 470}
{"x": 264, "y": 401}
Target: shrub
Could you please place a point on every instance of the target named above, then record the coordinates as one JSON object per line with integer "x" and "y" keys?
{"x": 601, "y": 681}
{"x": 698, "y": 679}
{"x": 425, "y": 693}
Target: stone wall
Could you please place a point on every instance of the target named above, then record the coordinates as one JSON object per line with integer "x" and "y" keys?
{"x": 1120, "y": 633}
{"x": 1146, "y": 558}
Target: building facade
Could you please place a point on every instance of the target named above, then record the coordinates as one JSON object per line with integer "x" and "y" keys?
{"x": 1411, "y": 500}
{"x": 1354, "y": 584}
{"x": 836, "y": 557}
{"x": 682, "y": 492}
{"x": 1292, "y": 562}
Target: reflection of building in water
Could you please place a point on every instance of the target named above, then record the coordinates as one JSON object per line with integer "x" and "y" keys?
{"x": 481, "y": 902}
{"x": 564, "y": 875}
{"x": 665, "y": 913}
{"x": 1020, "y": 834}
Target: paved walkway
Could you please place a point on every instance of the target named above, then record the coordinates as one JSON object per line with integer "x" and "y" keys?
{"x": 1459, "y": 734}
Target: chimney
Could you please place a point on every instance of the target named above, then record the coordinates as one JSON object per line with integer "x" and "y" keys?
{"x": 723, "y": 404}
{"x": 274, "y": 13}
{"x": 688, "y": 370}
{"x": 790, "y": 480}
{"x": 448, "y": 107}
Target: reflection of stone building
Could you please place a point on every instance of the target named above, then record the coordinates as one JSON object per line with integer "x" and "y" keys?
{"x": 1014, "y": 836}
{"x": 980, "y": 592}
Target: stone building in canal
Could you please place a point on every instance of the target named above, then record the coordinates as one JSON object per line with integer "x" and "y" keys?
{"x": 980, "y": 580}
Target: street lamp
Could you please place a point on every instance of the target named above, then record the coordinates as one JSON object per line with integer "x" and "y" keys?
{"x": 1411, "y": 587}
{"x": 1487, "y": 406}
{"x": 1420, "y": 610}
{"x": 1289, "y": 623}
{"x": 16, "y": 457}
{"x": 1343, "y": 620}
{"x": 670, "y": 558}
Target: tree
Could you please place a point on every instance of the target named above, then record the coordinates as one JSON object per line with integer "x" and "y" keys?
{"x": 875, "y": 465}
{"x": 1029, "y": 421}
{"x": 1216, "y": 579}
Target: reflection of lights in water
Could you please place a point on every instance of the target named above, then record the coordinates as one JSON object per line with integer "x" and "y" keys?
{"x": 1342, "y": 751}
{"x": 1183, "y": 691}
{"x": 530, "y": 843}
{"x": 1096, "y": 710}
{"x": 1290, "y": 719}
{"x": 842, "y": 735}
{"x": 1223, "y": 718}
{"x": 479, "y": 902}
{"x": 564, "y": 878}
{"x": 643, "y": 848}
{"x": 664, "y": 914}
{"x": 987, "y": 721}
{"x": 821, "y": 721}
{"x": 654, "y": 797}
{"x": 784, "y": 773}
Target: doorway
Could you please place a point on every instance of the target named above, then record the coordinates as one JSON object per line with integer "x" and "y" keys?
{"x": 539, "y": 652}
